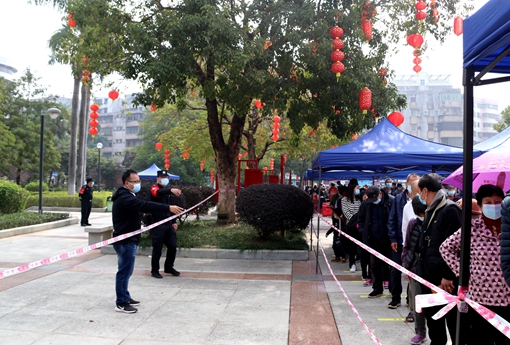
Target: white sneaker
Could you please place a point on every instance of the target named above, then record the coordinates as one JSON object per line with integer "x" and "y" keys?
{"x": 353, "y": 268}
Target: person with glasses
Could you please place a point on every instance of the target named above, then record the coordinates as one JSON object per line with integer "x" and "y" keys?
{"x": 126, "y": 218}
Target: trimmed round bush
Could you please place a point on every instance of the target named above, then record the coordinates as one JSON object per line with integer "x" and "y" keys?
{"x": 274, "y": 207}
{"x": 34, "y": 186}
{"x": 12, "y": 197}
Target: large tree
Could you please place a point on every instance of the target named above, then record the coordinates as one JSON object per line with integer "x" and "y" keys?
{"x": 236, "y": 51}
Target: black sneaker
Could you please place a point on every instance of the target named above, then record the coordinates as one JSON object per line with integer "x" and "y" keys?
{"x": 88, "y": 224}
{"x": 133, "y": 303}
{"x": 156, "y": 275}
{"x": 173, "y": 272}
{"x": 375, "y": 294}
{"x": 125, "y": 308}
{"x": 394, "y": 304}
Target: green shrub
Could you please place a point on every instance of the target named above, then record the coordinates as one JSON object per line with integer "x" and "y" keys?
{"x": 62, "y": 199}
{"x": 12, "y": 197}
{"x": 34, "y": 186}
{"x": 15, "y": 220}
{"x": 274, "y": 207}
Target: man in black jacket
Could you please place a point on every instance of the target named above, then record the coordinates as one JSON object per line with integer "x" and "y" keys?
{"x": 126, "y": 218}
{"x": 373, "y": 217}
{"x": 442, "y": 219}
{"x": 164, "y": 233}
{"x": 85, "y": 195}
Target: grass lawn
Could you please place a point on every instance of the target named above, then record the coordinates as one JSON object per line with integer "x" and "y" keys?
{"x": 15, "y": 220}
{"x": 210, "y": 234}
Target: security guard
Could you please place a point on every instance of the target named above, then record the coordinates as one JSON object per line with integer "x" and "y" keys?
{"x": 85, "y": 195}
{"x": 164, "y": 233}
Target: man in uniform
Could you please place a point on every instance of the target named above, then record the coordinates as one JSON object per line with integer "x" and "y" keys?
{"x": 164, "y": 233}
{"x": 85, "y": 194}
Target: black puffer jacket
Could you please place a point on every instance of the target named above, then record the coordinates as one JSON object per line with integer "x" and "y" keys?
{"x": 409, "y": 257}
{"x": 505, "y": 239}
{"x": 126, "y": 213}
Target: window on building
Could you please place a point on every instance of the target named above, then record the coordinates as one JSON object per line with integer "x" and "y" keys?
{"x": 132, "y": 130}
{"x": 413, "y": 98}
{"x": 430, "y": 127}
{"x": 422, "y": 82}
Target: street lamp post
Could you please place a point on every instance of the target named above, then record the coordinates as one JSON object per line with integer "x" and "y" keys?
{"x": 54, "y": 112}
{"x": 99, "y": 147}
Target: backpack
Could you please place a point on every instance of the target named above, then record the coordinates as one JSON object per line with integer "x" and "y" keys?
{"x": 81, "y": 191}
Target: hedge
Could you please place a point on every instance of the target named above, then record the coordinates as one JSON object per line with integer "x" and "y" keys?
{"x": 62, "y": 199}
{"x": 12, "y": 197}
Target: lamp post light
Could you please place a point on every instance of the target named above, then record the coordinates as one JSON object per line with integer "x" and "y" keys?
{"x": 54, "y": 113}
{"x": 99, "y": 147}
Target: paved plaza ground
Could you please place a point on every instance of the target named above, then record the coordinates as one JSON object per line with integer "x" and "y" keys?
{"x": 214, "y": 301}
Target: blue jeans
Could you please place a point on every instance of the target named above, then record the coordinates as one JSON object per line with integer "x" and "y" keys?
{"x": 126, "y": 261}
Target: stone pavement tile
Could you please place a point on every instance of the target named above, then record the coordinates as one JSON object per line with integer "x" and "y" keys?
{"x": 203, "y": 296}
{"x": 14, "y": 337}
{"x": 66, "y": 339}
{"x": 192, "y": 311}
{"x": 213, "y": 284}
{"x": 260, "y": 298}
{"x": 255, "y": 314}
{"x": 18, "y": 279}
{"x": 268, "y": 285}
{"x": 240, "y": 333}
{"x": 35, "y": 320}
{"x": 175, "y": 332}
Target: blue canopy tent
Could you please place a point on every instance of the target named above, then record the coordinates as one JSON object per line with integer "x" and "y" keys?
{"x": 486, "y": 49}
{"x": 386, "y": 149}
{"x": 152, "y": 172}
{"x": 363, "y": 174}
{"x": 494, "y": 142}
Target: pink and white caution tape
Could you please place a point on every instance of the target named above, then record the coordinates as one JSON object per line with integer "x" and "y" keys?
{"x": 442, "y": 297}
{"x": 63, "y": 256}
{"x": 354, "y": 310}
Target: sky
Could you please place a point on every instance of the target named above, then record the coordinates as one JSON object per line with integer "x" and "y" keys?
{"x": 25, "y": 30}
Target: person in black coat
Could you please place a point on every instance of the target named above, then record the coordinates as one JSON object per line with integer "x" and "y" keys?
{"x": 85, "y": 194}
{"x": 373, "y": 217}
{"x": 126, "y": 218}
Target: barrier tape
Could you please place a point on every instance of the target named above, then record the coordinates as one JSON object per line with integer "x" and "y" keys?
{"x": 354, "y": 310}
{"x": 63, "y": 256}
{"x": 442, "y": 297}
{"x": 227, "y": 190}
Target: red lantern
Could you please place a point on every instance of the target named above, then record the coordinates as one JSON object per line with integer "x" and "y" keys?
{"x": 94, "y": 115}
{"x": 338, "y": 44}
{"x": 458, "y": 24}
{"x": 365, "y": 99}
{"x": 158, "y": 146}
{"x": 420, "y": 5}
{"x": 153, "y": 108}
{"x": 366, "y": 26}
{"x": 417, "y": 61}
{"x": 336, "y": 32}
{"x": 70, "y": 21}
{"x": 245, "y": 154}
{"x": 336, "y": 56}
{"x": 167, "y": 161}
{"x": 239, "y": 156}
{"x": 93, "y": 123}
{"x": 94, "y": 107}
{"x": 415, "y": 40}
{"x": 93, "y": 131}
{"x": 417, "y": 68}
{"x": 275, "y": 137}
{"x": 276, "y": 125}
{"x": 396, "y": 118}
{"x": 212, "y": 176}
{"x": 113, "y": 95}
{"x": 383, "y": 72}
{"x": 420, "y": 15}
{"x": 167, "y": 166}
{"x": 276, "y": 131}
{"x": 167, "y": 151}
{"x": 265, "y": 169}
{"x": 276, "y": 119}
{"x": 369, "y": 11}
{"x": 271, "y": 164}
{"x": 202, "y": 164}
{"x": 337, "y": 68}
{"x": 258, "y": 104}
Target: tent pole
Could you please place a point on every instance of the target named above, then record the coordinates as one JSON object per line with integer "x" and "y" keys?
{"x": 318, "y": 223}
{"x": 467, "y": 194}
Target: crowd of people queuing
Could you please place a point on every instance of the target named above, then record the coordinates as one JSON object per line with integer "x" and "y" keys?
{"x": 418, "y": 225}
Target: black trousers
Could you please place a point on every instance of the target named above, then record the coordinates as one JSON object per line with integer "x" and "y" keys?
{"x": 396, "y": 275}
{"x": 86, "y": 207}
{"x": 482, "y": 332}
{"x": 437, "y": 328}
{"x": 380, "y": 269}
{"x": 163, "y": 235}
{"x": 338, "y": 240}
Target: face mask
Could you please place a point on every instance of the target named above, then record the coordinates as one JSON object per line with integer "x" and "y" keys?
{"x": 445, "y": 191}
{"x": 377, "y": 201}
{"x": 492, "y": 211}
{"x": 389, "y": 185}
{"x": 356, "y": 192}
{"x": 164, "y": 181}
{"x": 421, "y": 200}
{"x": 409, "y": 189}
{"x": 420, "y": 218}
{"x": 136, "y": 187}
{"x": 92, "y": 185}
{"x": 451, "y": 193}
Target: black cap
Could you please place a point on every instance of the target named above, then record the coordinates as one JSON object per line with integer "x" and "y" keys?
{"x": 89, "y": 180}
{"x": 373, "y": 193}
{"x": 162, "y": 173}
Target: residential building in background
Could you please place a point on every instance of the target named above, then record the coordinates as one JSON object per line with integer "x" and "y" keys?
{"x": 435, "y": 110}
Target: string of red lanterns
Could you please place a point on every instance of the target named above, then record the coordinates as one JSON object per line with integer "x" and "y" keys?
{"x": 420, "y": 7}
{"x": 212, "y": 176}
{"x": 415, "y": 41}
{"x": 369, "y": 12}
{"x": 435, "y": 12}
{"x": 337, "y": 56}
{"x": 271, "y": 164}
{"x": 93, "y": 122}
{"x": 276, "y": 126}
{"x": 167, "y": 159}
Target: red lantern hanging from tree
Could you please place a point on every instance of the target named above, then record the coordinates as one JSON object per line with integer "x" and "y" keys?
{"x": 369, "y": 11}
{"x": 114, "y": 94}
{"x": 271, "y": 164}
{"x": 158, "y": 146}
{"x": 366, "y": 27}
{"x": 337, "y": 67}
{"x": 365, "y": 99}
{"x": 153, "y": 108}
{"x": 70, "y": 21}
{"x": 396, "y": 118}
{"x": 202, "y": 164}
{"x": 94, "y": 107}
{"x": 458, "y": 24}
{"x": 167, "y": 158}
{"x": 258, "y": 104}
{"x": 212, "y": 176}
{"x": 420, "y": 7}
{"x": 415, "y": 40}
{"x": 276, "y": 126}
{"x": 93, "y": 131}
{"x": 93, "y": 123}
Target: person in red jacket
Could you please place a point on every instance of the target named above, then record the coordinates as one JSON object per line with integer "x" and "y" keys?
{"x": 164, "y": 233}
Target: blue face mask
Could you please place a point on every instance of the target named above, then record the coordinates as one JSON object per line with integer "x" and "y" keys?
{"x": 164, "y": 181}
{"x": 409, "y": 189}
{"x": 136, "y": 187}
{"x": 491, "y": 211}
{"x": 451, "y": 193}
{"x": 445, "y": 191}
{"x": 389, "y": 185}
{"x": 377, "y": 201}
{"x": 421, "y": 200}
{"x": 356, "y": 192}
{"x": 420, "y": 218}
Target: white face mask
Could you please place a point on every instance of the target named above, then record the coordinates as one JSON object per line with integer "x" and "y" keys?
{"x": 164, "y": 181}
{"x": 420, "y": 218}
{"x": 491, "y": 211}
{"x": 92, "y": 185}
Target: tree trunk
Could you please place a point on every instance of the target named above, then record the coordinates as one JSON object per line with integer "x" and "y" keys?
{"x": 80, "y": 179}
{"x": 87, "y": 107}
{"x": 71, "y": 175}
